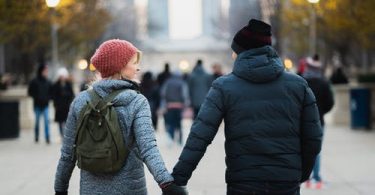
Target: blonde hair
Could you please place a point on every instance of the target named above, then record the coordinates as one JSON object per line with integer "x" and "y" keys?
{"x": 139, "y": 56}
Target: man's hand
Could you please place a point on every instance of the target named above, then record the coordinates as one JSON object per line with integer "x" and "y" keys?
{"x": 173, "y": 189}
{"x": 61, "y": 193}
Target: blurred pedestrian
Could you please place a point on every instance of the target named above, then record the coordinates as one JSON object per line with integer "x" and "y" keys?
{"x": 40, "y": 90}
{"x": 321, "y": 88}
{"x": 62, "y": 96}
{"x": 5, "y": 81}
{"x": 272, "y": 127}
{"x": 301, "y": 66}
{"x": 339, "y": 77}
{"x": 150, "y": 90}
{"x": 199, "y": 82}
{"x": 163, "y": 76}
{"x": 175, "y": 98}
{"x": 117, "y": 61}
{"x": 217, "y": 71}
{"x": 89, "y": 79}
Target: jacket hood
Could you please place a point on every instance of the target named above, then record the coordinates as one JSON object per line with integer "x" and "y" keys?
{"x": 259, "y": 65}
{"x": 105, "y": 87}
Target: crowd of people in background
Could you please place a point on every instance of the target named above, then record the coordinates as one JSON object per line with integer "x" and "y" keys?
{"x": 171, "y": 93}
{"x": 42, "y": 90}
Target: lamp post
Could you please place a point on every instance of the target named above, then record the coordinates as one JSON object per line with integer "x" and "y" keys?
{"x": 54, "y": 26}
{"x": 312, "y": 33}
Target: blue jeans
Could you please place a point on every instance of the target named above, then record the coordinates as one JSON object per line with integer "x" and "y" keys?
{"x": 173, "y": 119}
{"x": 316, "y": 169}
{"x": 38, "y": 112}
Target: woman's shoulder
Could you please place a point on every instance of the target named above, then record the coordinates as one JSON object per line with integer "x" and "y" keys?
{"x": 129, "y": 96}
{"x": 80, "y": 100}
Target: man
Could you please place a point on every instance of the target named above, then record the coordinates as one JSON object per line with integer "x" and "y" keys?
{"x": 40, "y": 90}
{"x": 216, "y": 71}
{"x": 199, "y": 83}
{"x": 324, "y": 99}
{"x": 163, "y": 76}
{"x": 272, "y": 126}
{"x": 174, "y": 97}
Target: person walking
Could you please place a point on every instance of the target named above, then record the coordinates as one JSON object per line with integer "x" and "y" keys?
{"x": 150, "y": 90}
{"x": 174, "y": 97}
{"x": 40, "y": 91}
{"x": 117, "y": 61}
{"x": 199, "y": 82}
{"x": 62, "y": 96}
{"x": 321, "y": 88}
{"x": 272, "y": 126}
{"x": 217, "y": 71}
{"x": 163, "y": 76}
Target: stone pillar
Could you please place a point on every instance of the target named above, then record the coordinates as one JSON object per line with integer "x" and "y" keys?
{"x": 142, "y": 15}
{"x": 158, "y": 19}
{"x": 340, "y": 113}
{"x": 210, "y": 9}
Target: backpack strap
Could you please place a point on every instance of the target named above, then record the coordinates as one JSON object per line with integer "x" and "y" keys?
{"x": 99, "y": 102}
{"x": 94, "y": 98}
{"x": 112, "y": 95}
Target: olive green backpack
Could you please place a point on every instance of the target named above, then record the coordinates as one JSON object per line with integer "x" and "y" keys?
{"x": 99, "y": 145}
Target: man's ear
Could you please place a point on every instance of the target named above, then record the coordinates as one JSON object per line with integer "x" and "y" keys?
{"x": 234, "y": 55}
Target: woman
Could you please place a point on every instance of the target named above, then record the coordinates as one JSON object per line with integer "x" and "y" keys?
{"x": 62, "y": 95}
{"x": 117, "y": 61}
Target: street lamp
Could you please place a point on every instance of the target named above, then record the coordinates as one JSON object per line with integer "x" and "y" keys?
{"x": 312, "y": 27}
{"x": 52, "y": 3}
{"x": 54, "y": 26}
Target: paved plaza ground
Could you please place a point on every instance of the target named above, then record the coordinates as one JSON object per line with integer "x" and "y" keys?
{"x": 348, "y": 164}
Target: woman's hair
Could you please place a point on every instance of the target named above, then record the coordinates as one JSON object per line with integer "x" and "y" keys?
{"x": 139, "y": 56}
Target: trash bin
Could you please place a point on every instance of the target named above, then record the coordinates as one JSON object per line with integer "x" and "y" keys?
{"x": 360, "y": 108}
{"x": 9, "y": 119}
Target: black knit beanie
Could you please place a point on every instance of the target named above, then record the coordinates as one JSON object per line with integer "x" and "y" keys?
{"x": 255, "y": 34}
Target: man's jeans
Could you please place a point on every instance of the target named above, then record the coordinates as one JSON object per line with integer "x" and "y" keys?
{"x": 316, "y": 170}
{"x": 38, "y": 112}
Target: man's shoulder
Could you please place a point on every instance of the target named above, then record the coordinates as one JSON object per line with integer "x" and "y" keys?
{"x": 289, "y": 76}
{"x": 222, "y": 80}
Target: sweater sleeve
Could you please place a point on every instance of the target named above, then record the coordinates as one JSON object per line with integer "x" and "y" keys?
{"x": 201, "y": 135}
{"x": 67, "y": 161}
{"x": 311, "y": 133}
{"x": 146, "y": 141}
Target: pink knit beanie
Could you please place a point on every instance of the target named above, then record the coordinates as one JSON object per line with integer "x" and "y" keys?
{"x": 112, "y": 56}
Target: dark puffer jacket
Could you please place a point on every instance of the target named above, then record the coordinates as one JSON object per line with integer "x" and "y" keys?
{"x": 272, "y": 125}
{"x": 40, "y": 90}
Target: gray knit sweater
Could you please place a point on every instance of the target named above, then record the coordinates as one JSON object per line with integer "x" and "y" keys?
{"x": 135, "y": 121}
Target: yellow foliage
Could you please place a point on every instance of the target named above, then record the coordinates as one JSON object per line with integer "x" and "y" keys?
{"x": 336, "y": 19}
